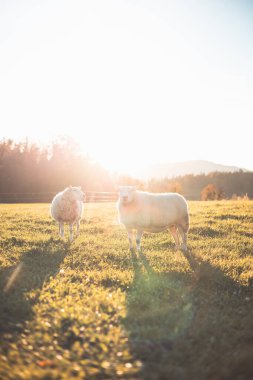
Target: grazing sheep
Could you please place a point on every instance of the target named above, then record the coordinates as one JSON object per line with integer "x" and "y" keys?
{"x": 67, "y": 207}
{"x": 151, "y": 212}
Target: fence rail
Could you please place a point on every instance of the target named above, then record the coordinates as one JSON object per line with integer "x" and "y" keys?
{"x": 90, "y": 196}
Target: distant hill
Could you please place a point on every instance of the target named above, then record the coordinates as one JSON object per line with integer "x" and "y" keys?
{"x": 182, "y": 168}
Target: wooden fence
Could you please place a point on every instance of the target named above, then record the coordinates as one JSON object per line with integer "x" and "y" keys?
{"x": 90, "y": 196}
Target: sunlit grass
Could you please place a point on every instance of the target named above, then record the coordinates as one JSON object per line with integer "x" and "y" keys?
{"x": 91, "y": 309}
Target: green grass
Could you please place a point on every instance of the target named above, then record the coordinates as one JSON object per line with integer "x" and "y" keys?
{"x": 93, "y": 310}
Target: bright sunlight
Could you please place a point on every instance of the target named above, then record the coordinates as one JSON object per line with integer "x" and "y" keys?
{"x": 133, "y": 82}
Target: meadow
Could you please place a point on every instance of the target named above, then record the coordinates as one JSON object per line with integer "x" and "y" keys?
{"x": 91, "y": 309}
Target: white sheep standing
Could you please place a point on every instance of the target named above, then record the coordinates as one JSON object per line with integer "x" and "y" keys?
{"x": 152, "y": 212}
{"x": 67, "y": 207}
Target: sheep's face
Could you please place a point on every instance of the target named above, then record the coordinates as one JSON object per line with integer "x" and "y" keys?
{"x": 126, "y": 194}
{"x": 77, "y": 193}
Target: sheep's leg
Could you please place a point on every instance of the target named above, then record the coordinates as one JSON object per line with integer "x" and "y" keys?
{"x": 77, "y": 227}
{"x": 138, "y": 239}
{"x": 70, "y": 231}
{"x": 130, "y": 238}
{"x": 61, "y": 229}
{"x": 184, "y": 237}
{"x": 173, "y": 230}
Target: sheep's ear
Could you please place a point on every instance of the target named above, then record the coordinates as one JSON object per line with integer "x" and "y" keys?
{"x": 70, "y": 187}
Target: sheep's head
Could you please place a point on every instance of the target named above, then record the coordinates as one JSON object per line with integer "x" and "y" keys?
{"x": 126, "y": 194}
{"x": 76, "y": 193}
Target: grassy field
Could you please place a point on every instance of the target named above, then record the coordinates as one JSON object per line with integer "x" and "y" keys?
{"x": 93, "y": 310}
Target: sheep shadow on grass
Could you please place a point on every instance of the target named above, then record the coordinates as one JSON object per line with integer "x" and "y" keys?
{"x": 196, "y": 324}
{"x": 35, "y": 268}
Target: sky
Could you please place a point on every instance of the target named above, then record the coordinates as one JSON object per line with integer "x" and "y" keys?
{"x": 134, "y": 82}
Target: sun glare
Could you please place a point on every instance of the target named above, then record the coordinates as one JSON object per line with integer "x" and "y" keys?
{"x": 132, "y": 82}
{"x": 115, "y": 155}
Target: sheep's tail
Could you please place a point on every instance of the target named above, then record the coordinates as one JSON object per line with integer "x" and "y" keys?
{"x": 186, "y": 223}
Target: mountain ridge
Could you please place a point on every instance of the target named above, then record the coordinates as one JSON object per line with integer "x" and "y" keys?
{"x": 176, "y": 169}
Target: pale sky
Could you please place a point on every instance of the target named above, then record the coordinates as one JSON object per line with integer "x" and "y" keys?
{"x": 133, "y": 81}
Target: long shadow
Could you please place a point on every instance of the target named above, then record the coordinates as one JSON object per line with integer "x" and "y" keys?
{"x": 192, "y": 325}
{"x": 34, "y": 269}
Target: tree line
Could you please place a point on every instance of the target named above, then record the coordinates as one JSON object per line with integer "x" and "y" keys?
{"x": 28, "y": 168}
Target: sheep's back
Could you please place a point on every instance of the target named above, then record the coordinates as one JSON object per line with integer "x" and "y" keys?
{"x": 167, "y": 209}
{"x": 64, "y": 210}
{"x": 153, "y": 212}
